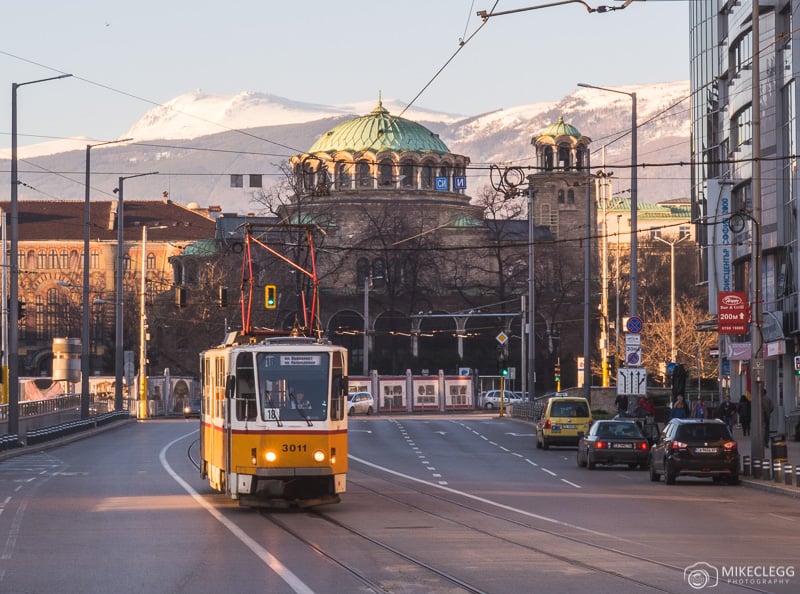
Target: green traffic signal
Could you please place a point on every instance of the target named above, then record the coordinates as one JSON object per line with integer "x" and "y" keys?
{"x": 270, "y": 297}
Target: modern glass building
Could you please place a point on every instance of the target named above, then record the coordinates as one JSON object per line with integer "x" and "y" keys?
{"x": 744, "y": 160}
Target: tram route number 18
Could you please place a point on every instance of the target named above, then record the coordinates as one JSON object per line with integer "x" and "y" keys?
{"x": 293, "y": 447}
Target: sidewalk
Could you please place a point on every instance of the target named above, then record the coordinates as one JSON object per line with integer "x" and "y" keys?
{"x": 768, "y": 481}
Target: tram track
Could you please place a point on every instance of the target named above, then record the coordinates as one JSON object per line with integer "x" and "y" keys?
{"x": 362, "y": 576}
{"x": 569, "y": 560}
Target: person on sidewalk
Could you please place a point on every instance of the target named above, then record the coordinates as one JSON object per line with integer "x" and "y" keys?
{"x": 744, "y": 414}
{"x": 679, "y": 410}
{"x": 726, "y": 411}
{"x": 621, "y": 402}
{"x": 699, "y": 411}
{"x": 766, "y": 413}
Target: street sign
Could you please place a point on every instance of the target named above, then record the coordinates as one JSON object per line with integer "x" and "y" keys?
{"x": 633, "y": 350}
{"x": 632, "y": 381}
{"x": 459, "y": 182}
{"x": 442, "y": 184}
{"x": 634, "y": 324}
{"x": 733, "y": 313}
{"x": 502, "y": 338}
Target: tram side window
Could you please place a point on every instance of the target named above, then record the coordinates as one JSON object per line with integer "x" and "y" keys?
{"x": 338, "y": 387}
{"x": 246, "y": 406}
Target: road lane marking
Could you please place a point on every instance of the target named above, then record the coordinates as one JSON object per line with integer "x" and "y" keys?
{"x": 571, "y": 484}
{"x": 291, "y": 580}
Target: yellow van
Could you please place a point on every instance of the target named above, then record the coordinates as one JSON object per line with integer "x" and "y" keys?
{"x": 562, "y": 420}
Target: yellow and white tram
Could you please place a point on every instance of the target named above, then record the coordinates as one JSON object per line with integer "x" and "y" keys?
{"x": 274, "y": 424}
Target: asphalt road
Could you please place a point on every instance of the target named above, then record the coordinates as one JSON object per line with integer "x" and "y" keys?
{"x": 434, "y": 504}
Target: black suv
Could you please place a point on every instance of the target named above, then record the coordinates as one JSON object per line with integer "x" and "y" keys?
{"x": 695, "y": 447}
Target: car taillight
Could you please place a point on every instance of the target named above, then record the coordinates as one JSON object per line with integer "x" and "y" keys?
{"x": 679, "y": 445}
{"x": 729, "y": 445}
{"x": 643, "y": 445}
{"x": 547, "y": 424}
{"x": 599, "y": 445}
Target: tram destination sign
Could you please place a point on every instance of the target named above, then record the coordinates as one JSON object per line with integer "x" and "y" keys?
{"x": 733, "y": 312}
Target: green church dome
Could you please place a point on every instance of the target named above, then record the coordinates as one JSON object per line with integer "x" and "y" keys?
{"x": 561, "y": 129}
{"x": 379, "y": 131}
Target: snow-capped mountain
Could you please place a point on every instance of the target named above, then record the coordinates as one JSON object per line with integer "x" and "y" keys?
{"x": 197, "y": 140}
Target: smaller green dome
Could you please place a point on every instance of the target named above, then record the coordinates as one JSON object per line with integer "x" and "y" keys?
{"x": 379, "y": 131}
{"x": 561, "y": 129}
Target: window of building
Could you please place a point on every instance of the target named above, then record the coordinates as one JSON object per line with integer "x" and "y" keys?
{"x": 53, "y": 259}
{"x": 344, "y": 181}
{"x": 742, "y": 127}
{"x": 38, "y": 318}
{"x": 683, "y": 231}
{"x": 94, "y": 259}
{"x": 151, "y": 261}
{"x": 64, "y": 259}
{"x": 237, "y": 181}
{"x": 256, "y": 180}
{"x": 570, "y": 196}
{"x": 363, "y": 177}
{"x": 548, "y": 158}
{"x": 126, "y": 263}
{"x": 561, "y": 196}
{"x": 41, "y": 260}
{"x": 655, "y": 233}
{"x": 362, "y": 271}
{"x": 426, "y": 179}
{"x": 378, "y": 273}
{"x": 742, "y": 52}
{"x": 407, "y": 174}
{"x": 385, "y": 173}
{"x": 563, "y": 156}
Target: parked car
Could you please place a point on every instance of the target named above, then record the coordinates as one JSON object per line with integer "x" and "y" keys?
{"x": 361, "y": 402}
{"x": 614, "y": 442}
{"x": 192, "y": 408}
{"x": 695, "y": 447}
{"x": 491, "y": 399}
{"x": 561, "y": 420}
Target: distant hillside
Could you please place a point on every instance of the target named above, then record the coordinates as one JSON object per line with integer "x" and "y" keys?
{"x": 195, "y": 159}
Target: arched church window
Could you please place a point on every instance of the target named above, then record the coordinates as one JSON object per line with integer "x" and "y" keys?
{"x": 563, "y": 157}
{"x": 378, "y": 273}
{"x": 583, "y": 158}
{"x": 548, "y": 158}
{"x": 561, "y": 196}
{"x": 570, "y": 196}
{"x": 344, "y": 180}
{"x": 407, "y": 174}
{"x": 363, "y": 179}
{"x": 426, "y": 180}
{"x": 385, "y": 173}
{"x": 362, "y": 271}
{"x": 298, "y": 177}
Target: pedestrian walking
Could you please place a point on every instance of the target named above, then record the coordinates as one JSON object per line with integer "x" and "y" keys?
{"x": 699, "y": 411}
{"x": 679, "y": 409}
{"x": 727, "y": 410}
{"x": 744, "y": 414}
{"x": 621, "y": 402}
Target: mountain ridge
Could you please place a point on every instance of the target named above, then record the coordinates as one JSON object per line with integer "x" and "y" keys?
{"x": 197, "y": 151}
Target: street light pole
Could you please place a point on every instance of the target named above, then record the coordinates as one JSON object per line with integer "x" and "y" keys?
{"x": 118, "y": 301}
{"x": 673, "y": 353}
{"x": 531, "y": 368}
{"x": 85, "y": 362}
{"x": 634, "y": 268}
{"x": 13, "y": 294}
{"x": 366, "y": 326}
{"x": 143, "y": 412}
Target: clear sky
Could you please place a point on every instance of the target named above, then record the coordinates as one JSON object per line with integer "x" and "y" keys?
{"x": 127, "y": 57}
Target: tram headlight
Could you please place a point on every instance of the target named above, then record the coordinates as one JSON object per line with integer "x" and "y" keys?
{"x": 319, "y": 456}
{"x": 271, "y": 456}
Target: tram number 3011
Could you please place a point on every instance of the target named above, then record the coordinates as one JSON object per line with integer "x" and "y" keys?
{"x": 294, "y": 447}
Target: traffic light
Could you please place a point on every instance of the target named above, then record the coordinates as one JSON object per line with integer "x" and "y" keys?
{"x": 222, "y": 299}
{"x": 557, "y": 373}
{"x": 797, "y": 365}
{"x": 270, "y": 297}
{"x": 502, "y": 362}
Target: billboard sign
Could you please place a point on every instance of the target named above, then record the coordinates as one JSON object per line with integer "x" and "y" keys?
{"x": 733, "y": 312}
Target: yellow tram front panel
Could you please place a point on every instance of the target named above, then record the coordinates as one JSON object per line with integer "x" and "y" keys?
{"x": 289, "y": 451}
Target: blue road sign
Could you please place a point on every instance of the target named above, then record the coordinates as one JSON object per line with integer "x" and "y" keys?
{"x": 459, "y": 182}
{"x": 634, "y": 324}
{"x": 442, "y": 184}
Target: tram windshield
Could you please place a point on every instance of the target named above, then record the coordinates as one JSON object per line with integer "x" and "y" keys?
{"x": 293, "y": 386}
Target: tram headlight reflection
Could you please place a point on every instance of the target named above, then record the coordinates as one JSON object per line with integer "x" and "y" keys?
{"x": 319, "y": 456}
{"x": 271, "y": 456}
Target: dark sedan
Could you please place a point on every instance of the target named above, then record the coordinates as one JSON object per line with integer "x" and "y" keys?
{"x": 613, "y": 442}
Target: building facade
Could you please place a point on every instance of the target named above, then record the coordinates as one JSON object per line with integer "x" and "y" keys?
{"x": 744, "y": 183}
